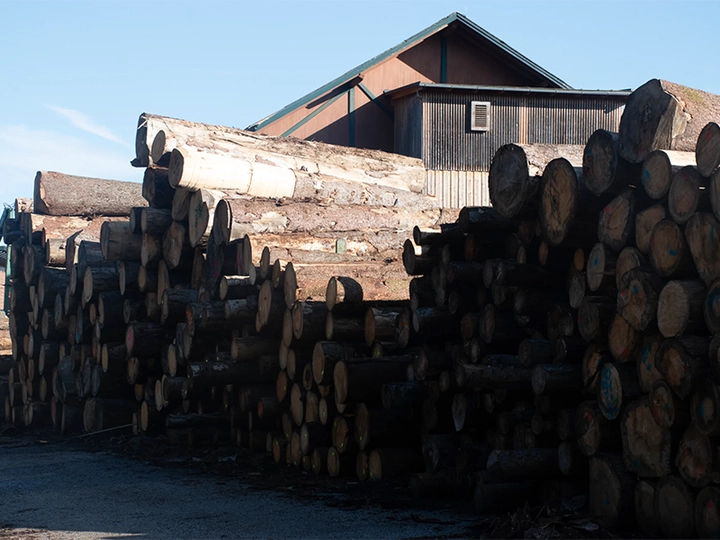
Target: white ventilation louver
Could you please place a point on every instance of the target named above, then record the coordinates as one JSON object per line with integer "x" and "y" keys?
{"x": 479, "y": 115}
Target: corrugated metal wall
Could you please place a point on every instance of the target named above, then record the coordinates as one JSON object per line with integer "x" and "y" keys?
{"x": 409, "y": 126}
{"x": 449, "y": 147}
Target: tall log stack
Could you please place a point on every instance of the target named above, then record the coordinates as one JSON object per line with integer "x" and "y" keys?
{"x": 266, "y": 293}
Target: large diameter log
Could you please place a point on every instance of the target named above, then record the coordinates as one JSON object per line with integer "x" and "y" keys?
{"x": 594, "y": 432}
{"x": 566, "y": 206}
{"x": 618, "y": 384}
{"x": 515, "y": 171}
{"x": 66, "y": 195}
{"x": 646, "y": 445}
{"x": 680, "y": 308}
{"x": 637, "y": 297}
{"x": 704, "y": 243}
{"x": 681, "y": 360}
{"x": 488, "y": 377}
{"x": 707, "y": 149}
{"x": 645, "y": 222}
{"x": 612, "y": 490}
{"x": 658, "y": 169}
{"x": 674, "y": 507}
{"x": 696, "y": 458}
{"x": 707, "y": 512}
{"x": 664, "y": 115}
{"x": 603, "y": 168}
{"x": 205, "y": 156}
{"x": 616, "y": 221}
{"x": 514, "y": 465}
{"x": 685, "y": 196}
{"x": 669, "y": 253}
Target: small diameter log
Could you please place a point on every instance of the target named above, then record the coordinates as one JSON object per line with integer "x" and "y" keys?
{"x": 403, "y": 395}
{"x": 674, "y": 507}
{"x": 521, "y": 465}
{"x": 637, "y": 298}
{"x": 498, "y": 326}
{"x": 616, "y": 221}
{"x": 176, "y": 248}
{"x": 669, "y": 253}
{"x": 174, "y": 304}
{"x": 128, "y": 273}
{"x": 536, "y": 351}
{"x": 680, "y": 308}
{"x": 707, "y": 512}
{"x": 685, "y": 196}
{"x": 488, "y": 377}
{"x": 647, "y": 362}
{"x": 593, "y": 358}
{"x": 680, "y": 361}
{"x": 702, "y": 239}
{"x": 339, "y": 464}
{"x": 98, "y": 279}
{"x": 145, "y": 339}
{"x": 696, "y": 458}
{"x": 556, "y": 378}
{"x": 361, "y": 380}
{"x": 55, "y": 252}
{"x": 390, "y": 462}
{"x": 326, "y": 354}
{"x": 658, "y": 169}
{"x": 151, "y": 251}
{"x": 118, "y": 242}
{"x": 612, "y": 489}
{"x": 617, "y": 384}
{"x": 252, "y": 347}
{"x": 711, "y": 307}
{"x": 51, "y": 281}
{"x": 603, "y": 168}
{"x": 376, "y": 427}
{"x": 705, "y": 407}
{"x": 646, "y": 445}
{"x": 379, "y": 325}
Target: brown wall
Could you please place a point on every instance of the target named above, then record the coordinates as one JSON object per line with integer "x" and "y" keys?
{"x": 467, "y": 63}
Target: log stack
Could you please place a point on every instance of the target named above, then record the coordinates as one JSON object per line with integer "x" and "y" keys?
{"x": 562, "y": 342}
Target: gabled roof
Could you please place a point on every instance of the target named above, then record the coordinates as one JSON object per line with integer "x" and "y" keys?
{"x": 411, "y": 41}
{"x": 417, "y": 86}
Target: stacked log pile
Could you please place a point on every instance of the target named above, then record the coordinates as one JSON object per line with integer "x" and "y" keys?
{"x": 565, "y": 341}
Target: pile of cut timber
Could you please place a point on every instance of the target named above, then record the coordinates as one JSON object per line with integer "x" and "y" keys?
{"x": 563, "y": 342}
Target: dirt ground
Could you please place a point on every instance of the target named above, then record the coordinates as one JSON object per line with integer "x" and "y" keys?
{"x": 83, "y": 489}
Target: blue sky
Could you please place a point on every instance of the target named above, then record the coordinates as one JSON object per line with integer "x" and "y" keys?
{"x": 76, "y": 75}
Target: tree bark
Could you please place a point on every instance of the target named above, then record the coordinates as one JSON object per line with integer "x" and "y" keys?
{"x": 664, "y": 115}
{"x": 60, "y": 194}
{"x": 658, "y": 170}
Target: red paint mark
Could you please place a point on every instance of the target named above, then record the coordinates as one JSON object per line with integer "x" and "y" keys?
{"x": 710, "y": 505}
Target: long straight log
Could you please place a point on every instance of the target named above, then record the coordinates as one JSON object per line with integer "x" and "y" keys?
{"x": 66, "y": 195}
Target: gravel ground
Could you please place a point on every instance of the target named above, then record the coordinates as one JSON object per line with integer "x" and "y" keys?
{"x": 56, "y": 489}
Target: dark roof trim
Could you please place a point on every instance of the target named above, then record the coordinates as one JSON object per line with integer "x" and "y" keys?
{"x": 442, "y": 23}
{"x": 415, "y": 87}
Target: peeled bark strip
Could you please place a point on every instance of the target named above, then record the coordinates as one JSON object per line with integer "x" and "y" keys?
{"x": 658, "y": 170}
{"x": 701, "y": 233}
{"x": 669, "y": 253}
{"x": 646, "y": 445}
{"x": 603, "y": 168}
{"x": 664, "y": 115}
{"x": 515, "y": 174}
{"x": 60, "y": 194}
{"x": 674, "y": 507}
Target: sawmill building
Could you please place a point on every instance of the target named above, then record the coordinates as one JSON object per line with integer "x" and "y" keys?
{"x": 451, "y": 95}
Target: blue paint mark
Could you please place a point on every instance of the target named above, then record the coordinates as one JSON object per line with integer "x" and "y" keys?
{"x": 646, "y": 173}
{"x": 672, "y": 252}
{"x": 595, "y": 262}
{"x": 635, "y": 289}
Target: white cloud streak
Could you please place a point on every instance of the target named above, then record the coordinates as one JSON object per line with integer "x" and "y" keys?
{"x": 82, "y": 121}
{"x": 24, "y": 151}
